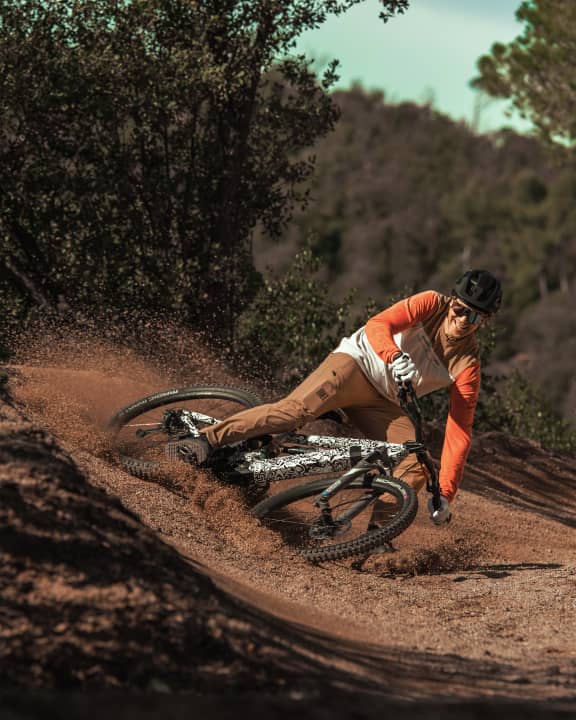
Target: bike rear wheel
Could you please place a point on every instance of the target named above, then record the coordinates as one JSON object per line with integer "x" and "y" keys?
{"x": 136, "y": 429}
{"x": 293, "y": 514}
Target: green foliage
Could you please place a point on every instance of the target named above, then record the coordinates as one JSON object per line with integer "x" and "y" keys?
{"x": 545, "y": 342}
{"x": 536, "y": 70}
{"x": 142, "y": 141}
{"x": 292, "y": 323}
{"x": 406, "y": 198}
{"x": 377, "y": 190}
{"x": 523, "y": 227}
{"x": 519, "y": 408}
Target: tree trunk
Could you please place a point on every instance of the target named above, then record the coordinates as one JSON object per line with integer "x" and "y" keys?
{"x": 542, "y": 285}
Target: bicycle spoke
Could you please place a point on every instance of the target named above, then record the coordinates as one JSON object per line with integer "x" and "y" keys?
{"x": 148, "y": 424}
{"x": 142, "y": 430}
{"x": 301, "y": 524}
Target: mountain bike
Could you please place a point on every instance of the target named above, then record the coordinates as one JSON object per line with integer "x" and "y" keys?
{"x": 326, "y": 519}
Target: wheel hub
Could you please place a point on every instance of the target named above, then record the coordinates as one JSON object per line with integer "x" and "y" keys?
{"x": 323, "y": 530}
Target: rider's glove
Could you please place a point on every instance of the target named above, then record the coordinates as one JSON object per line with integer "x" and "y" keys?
{"x": 403, "y": 368}
{"x": 443, "y": 514}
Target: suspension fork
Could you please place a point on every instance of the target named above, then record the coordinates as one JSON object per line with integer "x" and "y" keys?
{"x": 409, "y": 403}
{"x": 432, "y": 483}
{"x": 322, "y": 502}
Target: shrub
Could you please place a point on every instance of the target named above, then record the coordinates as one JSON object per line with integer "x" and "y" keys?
{"x": 292, "y": 323}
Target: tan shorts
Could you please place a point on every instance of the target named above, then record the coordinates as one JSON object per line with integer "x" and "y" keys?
{"x": 338, "y": 382}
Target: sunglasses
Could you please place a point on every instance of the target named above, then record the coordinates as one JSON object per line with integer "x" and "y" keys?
{"x": 472, "y": 316}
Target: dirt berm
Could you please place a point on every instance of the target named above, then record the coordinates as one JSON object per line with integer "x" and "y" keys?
{"x": 173, "y": 592}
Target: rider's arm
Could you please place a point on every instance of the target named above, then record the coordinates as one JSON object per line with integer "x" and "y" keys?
{"x": 381, "y": 328}
{"x": 458, "y": 436}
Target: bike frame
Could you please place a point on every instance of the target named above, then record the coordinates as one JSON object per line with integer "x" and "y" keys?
{"x": 333, "y": 455}
{"x": 351, "y": 456}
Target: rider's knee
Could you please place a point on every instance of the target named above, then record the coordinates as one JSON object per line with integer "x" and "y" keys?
{"x": 289, "y": 412}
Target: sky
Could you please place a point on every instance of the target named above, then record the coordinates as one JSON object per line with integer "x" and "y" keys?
{"x": 428, "y": 54}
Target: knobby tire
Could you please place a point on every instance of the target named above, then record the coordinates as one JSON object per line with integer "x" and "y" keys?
{"x": 147, "y": 469}
{"x": 364, "y": 543}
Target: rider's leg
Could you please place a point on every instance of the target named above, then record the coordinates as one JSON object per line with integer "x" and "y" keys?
{"x": 386, "y": 421}
{"x": 336, "y": 382}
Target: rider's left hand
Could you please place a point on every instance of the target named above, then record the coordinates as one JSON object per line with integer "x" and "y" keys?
{"x": 443, "y": 514}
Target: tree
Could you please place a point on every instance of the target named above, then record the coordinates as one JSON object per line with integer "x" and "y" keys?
{"x": 381, "y": 179}
{"x": 562, "y": 227}
{"x": 142, "y": 141}
{"x": 536, "y": 70}
{"x": 293, "y": 321}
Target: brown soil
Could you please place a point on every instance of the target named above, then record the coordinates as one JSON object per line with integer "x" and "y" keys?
{"x": 484, "y": 608}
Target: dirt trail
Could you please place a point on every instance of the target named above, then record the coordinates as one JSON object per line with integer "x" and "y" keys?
{"x": 485, "y": 607}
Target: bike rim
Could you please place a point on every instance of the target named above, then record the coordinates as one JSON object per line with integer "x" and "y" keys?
{"x": 149, "y": 450}
{"x": 297, "y": 521}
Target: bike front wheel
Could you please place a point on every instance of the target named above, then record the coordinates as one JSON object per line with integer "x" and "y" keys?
{"x": 294, "y": 515}
{"x": 139, "y": 433}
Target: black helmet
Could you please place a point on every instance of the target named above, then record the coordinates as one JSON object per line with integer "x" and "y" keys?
{"x": 480, "y": 290}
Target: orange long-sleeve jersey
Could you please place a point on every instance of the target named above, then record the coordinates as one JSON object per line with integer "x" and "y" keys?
{"x": 416, "y": 326}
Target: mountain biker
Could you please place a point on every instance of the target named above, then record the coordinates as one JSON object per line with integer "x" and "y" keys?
{"x": 428, "y": 339}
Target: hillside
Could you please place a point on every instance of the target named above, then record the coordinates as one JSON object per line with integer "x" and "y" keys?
{"x": 405, "y": 198}
{"x": 112, "y": 582}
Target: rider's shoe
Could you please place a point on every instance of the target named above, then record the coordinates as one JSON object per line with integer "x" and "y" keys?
{"x": 191, "y": 450}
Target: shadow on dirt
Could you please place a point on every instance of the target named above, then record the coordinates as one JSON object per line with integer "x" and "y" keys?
{"x": 497, "y": 572}
{"x": 393, "y": 671}
{"x": 428, "y": 564}
{"x": 513, "y": 470}
{"x": 93, "y": 599}
{"x": 307, "y": 706}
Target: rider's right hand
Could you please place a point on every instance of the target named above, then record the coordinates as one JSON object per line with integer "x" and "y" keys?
{"x": 403, "y": 368}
